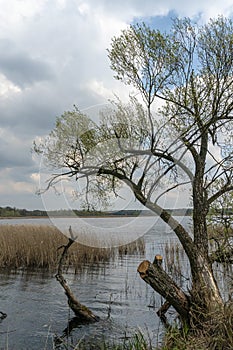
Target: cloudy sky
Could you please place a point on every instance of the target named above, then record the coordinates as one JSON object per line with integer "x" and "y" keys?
{"x": 52, "y": 56}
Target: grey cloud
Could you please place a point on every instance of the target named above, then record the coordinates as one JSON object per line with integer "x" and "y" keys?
{"x": 26, "y": 201}
{"x": 20, "y": 174}
{"x": 20, "y": 68}
{"x": 34, "y": 111}
{"x": 15, "y": 153}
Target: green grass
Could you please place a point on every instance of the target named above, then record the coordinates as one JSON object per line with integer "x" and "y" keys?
{"x": 137, "y": 342}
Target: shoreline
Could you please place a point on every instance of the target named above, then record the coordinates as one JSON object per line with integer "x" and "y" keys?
{"x": 72, "y": 217}
{"x": 84, "y": 216}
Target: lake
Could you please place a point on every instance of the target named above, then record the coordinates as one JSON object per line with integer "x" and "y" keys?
{"x": 37, "y": 308}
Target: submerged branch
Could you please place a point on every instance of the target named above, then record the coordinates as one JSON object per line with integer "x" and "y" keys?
{"x": 162, "y": 313}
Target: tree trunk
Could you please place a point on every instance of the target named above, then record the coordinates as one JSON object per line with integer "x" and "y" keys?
{"x": 205, "y": 294}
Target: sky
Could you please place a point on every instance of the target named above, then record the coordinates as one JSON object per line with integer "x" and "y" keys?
{"x": 53, "y": 54}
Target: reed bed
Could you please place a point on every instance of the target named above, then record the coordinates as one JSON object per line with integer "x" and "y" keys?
{"x": 176, "y": 263}
{"x": 32, "y": 247}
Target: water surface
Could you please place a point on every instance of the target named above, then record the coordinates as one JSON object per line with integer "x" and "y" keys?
{"x": 37, "y": 309}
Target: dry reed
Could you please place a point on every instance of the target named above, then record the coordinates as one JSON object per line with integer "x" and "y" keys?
{"x": 32, "y": 246}
{"x": 176, "y": 263}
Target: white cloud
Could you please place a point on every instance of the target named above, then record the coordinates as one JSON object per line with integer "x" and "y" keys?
{"x": 100, "y": 89}
{"x": 7, "y": 88}
{"x": 16, "y": 187}
{"x": 35, "y": 177}
{"x": 205, "y": 9}
{"x": 15, "y": 13}
{"x": 83, "y": 8}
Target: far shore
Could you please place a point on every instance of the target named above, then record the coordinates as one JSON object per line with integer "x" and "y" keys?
{"x": 23, "y": 217}
{"x": 85, "y": 216}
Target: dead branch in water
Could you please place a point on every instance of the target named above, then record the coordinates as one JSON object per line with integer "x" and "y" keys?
{"x": 84, "y": 314}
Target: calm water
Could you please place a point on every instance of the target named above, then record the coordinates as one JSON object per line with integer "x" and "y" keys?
{"x": 36, "y": 305}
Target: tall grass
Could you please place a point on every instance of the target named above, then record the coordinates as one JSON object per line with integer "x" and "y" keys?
{"x": 176, "y": 263}
{"x": 32, "y": 246}
{"x": 137, "y": 342}
{"x": 216, "y": 334}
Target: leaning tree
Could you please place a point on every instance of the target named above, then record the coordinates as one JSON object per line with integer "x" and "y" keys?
{"x": 174, "y": 132}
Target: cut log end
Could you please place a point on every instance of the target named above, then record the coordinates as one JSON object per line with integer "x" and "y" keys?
{"x": 143, "y": 267}
{"x": 158, "y": 260}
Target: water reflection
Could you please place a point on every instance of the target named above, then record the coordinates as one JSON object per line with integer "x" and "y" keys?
{"x": 73, "y": 323}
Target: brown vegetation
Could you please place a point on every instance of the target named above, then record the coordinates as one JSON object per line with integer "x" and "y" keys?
{"x": 31, "y": 246}
{"x": 216, "y": 333}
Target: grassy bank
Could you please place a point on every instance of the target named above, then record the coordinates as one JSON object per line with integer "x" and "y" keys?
{"x": 31, "y": 246}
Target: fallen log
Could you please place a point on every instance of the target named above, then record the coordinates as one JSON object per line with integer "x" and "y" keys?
{"x": 83, "y": 313}
{"x": 161, "y": 282}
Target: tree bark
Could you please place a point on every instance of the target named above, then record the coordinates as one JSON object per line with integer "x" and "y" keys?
{"x": 161, "y": 282}
{"x": 84, "y": 314}
{"x": 205, "y": 292}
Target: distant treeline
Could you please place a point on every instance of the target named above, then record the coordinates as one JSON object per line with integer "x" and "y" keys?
{"x": 15, "y": 212}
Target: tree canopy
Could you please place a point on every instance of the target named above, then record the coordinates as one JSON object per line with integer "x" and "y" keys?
{"x": 190, "y": 71}
{"x": 187, "y": 141}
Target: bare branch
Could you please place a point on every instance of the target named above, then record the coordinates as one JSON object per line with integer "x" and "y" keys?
{"x": 223, "y": 190}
